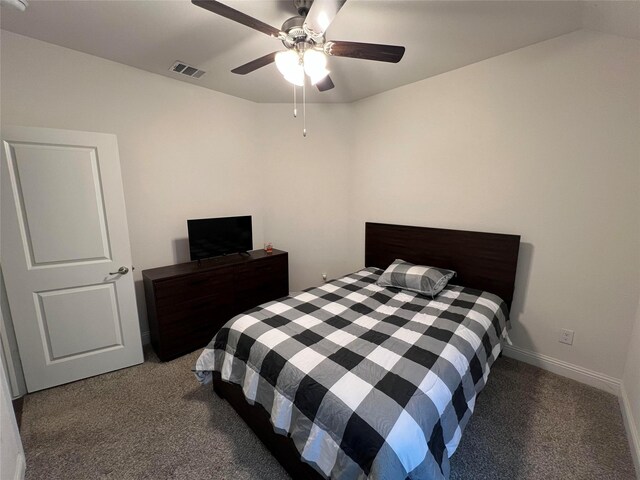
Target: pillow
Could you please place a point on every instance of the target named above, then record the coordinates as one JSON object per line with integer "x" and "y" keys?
{"x": 417, "y": 278}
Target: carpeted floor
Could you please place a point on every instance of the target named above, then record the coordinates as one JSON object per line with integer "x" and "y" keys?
{"x": 153, "y": 421}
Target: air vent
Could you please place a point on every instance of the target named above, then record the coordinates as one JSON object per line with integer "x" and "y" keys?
{"x": 184, "y": 69}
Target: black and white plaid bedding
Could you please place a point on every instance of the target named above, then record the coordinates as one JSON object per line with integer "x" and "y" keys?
{"x": 369, "y": 382}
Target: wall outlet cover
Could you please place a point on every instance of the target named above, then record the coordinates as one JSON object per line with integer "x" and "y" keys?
{"x": 566, "y": 336}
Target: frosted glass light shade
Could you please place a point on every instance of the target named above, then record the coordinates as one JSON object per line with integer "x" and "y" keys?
{"x": 288, "y": 63}
{"x": 315, "y": 65}
{"x": 296, "y": 78}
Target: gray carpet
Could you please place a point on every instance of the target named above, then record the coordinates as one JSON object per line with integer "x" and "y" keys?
{"x": 154, "y": 421}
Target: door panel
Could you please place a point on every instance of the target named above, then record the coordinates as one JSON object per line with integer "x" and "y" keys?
{"x": 70, "y": 226}
{"x": 64, "y": 230}
{"x": 58, "y": 311}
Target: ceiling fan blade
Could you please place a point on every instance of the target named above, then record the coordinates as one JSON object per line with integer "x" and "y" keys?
{"x": 236, "y": 16}
{"x": 366, "y": 51}
{"x": 325, "y": 84}
{"x": 255, "y": 64}
{"x": 320, "y": 16}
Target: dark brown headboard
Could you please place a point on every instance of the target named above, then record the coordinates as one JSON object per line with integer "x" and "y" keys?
{"x": 485, "y": 261}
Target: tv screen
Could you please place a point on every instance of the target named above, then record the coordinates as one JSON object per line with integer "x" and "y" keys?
{"x": 211, "y": 237}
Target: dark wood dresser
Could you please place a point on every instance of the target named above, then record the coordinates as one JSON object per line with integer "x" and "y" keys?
{"x": 189, "y": 302}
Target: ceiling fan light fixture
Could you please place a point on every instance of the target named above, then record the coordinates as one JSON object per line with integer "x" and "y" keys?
{"x": 304, "y": 39}
{"x": 315, "y": 65}
{"x": 288, "y": 63}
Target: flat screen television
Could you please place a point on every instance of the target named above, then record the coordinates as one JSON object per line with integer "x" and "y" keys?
{"x": 212, "y": 237}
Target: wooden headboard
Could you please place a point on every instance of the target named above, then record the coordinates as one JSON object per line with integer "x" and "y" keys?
{"x": 485, "y": 261}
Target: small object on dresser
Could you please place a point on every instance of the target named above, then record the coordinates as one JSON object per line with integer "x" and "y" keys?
{"x": 268, "y": 247}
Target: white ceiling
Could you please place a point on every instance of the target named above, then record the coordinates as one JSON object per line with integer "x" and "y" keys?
{"x": 439, "y": 36}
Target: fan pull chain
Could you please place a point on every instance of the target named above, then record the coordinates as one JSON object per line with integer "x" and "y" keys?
{"x": 295, "y": 108}
{"x": 304, "y": 107}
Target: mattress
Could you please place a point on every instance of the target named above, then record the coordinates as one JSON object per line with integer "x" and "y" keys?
{"x": 369, "y": 382}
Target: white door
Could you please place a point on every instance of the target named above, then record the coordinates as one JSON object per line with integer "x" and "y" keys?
{"x": 63, "y": 239}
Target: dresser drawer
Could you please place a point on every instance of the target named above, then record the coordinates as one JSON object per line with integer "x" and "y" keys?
{"x": 200, "y": 309}
{"x": 263, "y": 272}
{"x": 216, "y": 284}
{"x": 262, "y": 282}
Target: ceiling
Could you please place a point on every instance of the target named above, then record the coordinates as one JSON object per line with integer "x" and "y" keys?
{"x": 439, "y": 36}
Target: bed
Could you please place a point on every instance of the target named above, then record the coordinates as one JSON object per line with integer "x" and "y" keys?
{"x": 354, "y": 380}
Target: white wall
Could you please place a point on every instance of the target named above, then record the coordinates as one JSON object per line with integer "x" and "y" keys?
{"x": 630, "y": 393}
{"x": 541, "y": 142}
{"x": 308, "y": 188}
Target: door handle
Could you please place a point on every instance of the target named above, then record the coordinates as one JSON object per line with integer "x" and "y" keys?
{"x": 121, "y": 271}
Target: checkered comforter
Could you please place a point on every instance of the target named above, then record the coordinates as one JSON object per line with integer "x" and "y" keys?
{"x": 368, "y": 381}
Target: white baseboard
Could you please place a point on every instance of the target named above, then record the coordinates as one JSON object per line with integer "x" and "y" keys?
{"x": 569, "y": 370}
{"x": 630, "y": 426}
{"x": 146, "y": 337}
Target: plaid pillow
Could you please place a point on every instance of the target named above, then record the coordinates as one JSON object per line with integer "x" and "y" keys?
{"x": 417, "y": 278}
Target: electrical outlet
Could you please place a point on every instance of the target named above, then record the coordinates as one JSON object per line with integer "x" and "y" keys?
{"x": 324, "y": 277}
{"x": 566, "y": 336}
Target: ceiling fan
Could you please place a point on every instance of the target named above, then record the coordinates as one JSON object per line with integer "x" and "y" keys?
{"x": 304, "y": 39}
